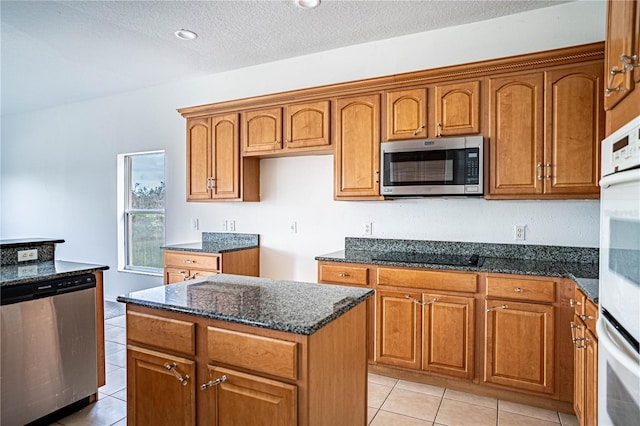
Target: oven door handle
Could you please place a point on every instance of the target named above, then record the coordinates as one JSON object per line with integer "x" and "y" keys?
{"x": 612, "y": 347}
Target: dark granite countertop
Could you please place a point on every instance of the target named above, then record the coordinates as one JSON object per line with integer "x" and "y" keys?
{"x": 577, "y": 263}
{"x": 19, "y": 242}
{"x": 219, "y": 242}
{"x": 294, "y": 307}
{"x": 34, "y": 272}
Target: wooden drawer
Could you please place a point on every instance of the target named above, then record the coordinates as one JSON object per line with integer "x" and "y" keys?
{"x": 171, "y": 334}
{"x": 355, "y": 275}
{"x": 590, "y": 315}
{"x": 521, "y": 289}
{"x": 432, "y": 280}
{"x": 191, "y": 261}
{"x": 257, "y": 353}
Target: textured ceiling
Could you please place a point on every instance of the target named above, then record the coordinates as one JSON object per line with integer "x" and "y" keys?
{"x": 56, "y": 52}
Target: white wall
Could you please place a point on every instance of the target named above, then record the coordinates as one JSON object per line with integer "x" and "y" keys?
{"x": 59, "y": 165}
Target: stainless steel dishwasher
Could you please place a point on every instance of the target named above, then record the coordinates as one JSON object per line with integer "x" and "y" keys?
{"x": 48, "y": 348}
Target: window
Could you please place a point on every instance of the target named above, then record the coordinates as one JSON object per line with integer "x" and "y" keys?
{"x": 142, "y": 222}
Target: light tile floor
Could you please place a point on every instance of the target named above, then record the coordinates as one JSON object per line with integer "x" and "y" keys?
{"x": 391, "y": 402}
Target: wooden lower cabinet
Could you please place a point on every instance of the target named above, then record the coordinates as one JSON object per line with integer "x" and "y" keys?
{"x": 432, "y": 332}
{"x": 585, "y": 351}
{"x": 271, "y": 402}
{"x": 189, "y": 370}
{"x": 448, "y": 335}
{"x": 155, "y": 393}
{"x": 399, "y": 329}
{"x": 182, "y": 266}
{"x": 519, "y": 345}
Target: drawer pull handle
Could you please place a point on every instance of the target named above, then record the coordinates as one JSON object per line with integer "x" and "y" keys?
{"x": 574, "y": 303}
{"x": 585, "y": 317}
{"x": 417, "y": 302}
{"x": 173, "y": 368}
{"x": 189, "y": 262}
{"x": 497, "y": 308}
{"x": 518, "y": 290}
{"x": 212, "y": 383}
{"x": 343, "y": 274}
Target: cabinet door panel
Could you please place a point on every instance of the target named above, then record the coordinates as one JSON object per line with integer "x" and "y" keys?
{"x": 516, "y": 122}
{"x": 577, "y": 334}
{"x": 620, "y": 15}
{"x": 244, "y": 399}
{"x": 262, "y": 130}
{"x": 458, "y": 108}
{"x": 198, "y": 158}
{"x": 226, "y": 157}
{"x": 154, "y": 394}
{"x": 357, "y": 157}
{"x": 308, "y": 125}
{"x": 575, "y": 127}
{"x": 398, "y": 329}
{"x": 448, "y": 336}
{"x": 519, "y": 345}
{"x": 406, "y": 114}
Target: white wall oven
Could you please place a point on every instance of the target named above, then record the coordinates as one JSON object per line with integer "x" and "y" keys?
{"x": 618, "y": 326}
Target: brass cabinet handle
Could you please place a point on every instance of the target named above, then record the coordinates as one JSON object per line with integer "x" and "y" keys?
{"x": 189, "y": 261}
{"x": 342, "y": 274}
{"x": 212, "y": 383}
{"x": 439, "y": 130}
{"x": 518, "y": 290}
{"x": 585, "y": 317}
{"x": 574, "y": 303}
{"x": 575, "y": 327}
{"x": 173, "y": 368}
{"x": 497, "y": 308}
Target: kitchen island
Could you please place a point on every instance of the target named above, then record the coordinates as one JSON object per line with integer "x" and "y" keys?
{"x": 237, "y": 350}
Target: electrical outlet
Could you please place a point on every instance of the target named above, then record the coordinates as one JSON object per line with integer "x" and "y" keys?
{"x": 24, "y": 255}
{"x": 195, "y": 225}
{"x": 232, "y": 225}
{"x": 367, "y": 229}
{"x": 519, "y": 232}
{"x": 293, "y": 227}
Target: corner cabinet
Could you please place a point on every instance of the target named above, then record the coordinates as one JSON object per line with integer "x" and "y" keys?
{"x": 545, "y": 130}
{"x": 215, "y": 171}
{"x": 357, "y": 155}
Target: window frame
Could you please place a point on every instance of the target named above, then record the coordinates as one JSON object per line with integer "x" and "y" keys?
{"x": 126, "y": 214}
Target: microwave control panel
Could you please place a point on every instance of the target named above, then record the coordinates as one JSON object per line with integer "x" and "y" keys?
{"x": 473, "y": 166}
{"x": 621, "y": 150}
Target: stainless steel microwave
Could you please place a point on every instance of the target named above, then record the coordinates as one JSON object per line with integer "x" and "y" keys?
{"x": 424, "y": 167}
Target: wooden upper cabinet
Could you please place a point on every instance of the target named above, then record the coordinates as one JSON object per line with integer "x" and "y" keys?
{"x": 516, "y": 134}
{"x": 406, "y": 114}
{"x": 574, "y": 120}
{"x": 457, "y": 108}
{"x": 262, "y": 131}
{"x": 198, "y": 158}
{"x": 226, "y": 157}
{"x": 619, "y": 42}
{"x": 215, "y": 170}
{"x": 357, "y": 155}
{"x": 307, "y": 125}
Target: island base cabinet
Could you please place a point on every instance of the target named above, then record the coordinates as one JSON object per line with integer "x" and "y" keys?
{"x": 519, "y": 346}
{"x": 271, "y": 402}
{"x": 160, "y": 389}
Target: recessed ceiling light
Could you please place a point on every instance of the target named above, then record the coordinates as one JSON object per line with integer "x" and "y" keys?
{"x": 307, "y": 4}
{"x": 186, "y": 34}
